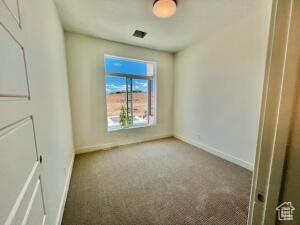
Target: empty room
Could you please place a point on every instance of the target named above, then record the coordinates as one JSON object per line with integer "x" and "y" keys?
{"x": 135, "y": 112}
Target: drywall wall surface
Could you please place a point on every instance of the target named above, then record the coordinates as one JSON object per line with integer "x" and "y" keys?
{"x": 218, "y": 89}
{"x": 48, "y": 81}
{"x": 85, "y": 59}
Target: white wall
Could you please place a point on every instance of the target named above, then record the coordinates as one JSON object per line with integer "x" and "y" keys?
{"x": 218, "y": 89}
{"x": 49, "y": 91}
{"x": 87, "y": 92}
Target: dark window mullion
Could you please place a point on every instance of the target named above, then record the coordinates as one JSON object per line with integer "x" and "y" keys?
{"x": 127, "y": 97}
{"x": 149, "y": 100}
{"x": 131, "y": 95}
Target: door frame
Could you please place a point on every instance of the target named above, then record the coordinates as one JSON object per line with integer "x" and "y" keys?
{"x": 276, "y": 112}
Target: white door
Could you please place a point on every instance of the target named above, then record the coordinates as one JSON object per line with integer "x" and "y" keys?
{"x": 21, "y": 191}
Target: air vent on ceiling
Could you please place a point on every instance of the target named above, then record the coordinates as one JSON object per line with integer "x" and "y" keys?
{"x": 139, "y": 34}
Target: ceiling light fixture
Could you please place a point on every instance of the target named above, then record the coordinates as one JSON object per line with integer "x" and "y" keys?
{"x": 164, "y": 8}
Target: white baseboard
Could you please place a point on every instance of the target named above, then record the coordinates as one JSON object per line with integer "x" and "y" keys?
{"x": 214, "y": 151}
{"x": 92, "y": 148}
{"x": 65, "y": 193}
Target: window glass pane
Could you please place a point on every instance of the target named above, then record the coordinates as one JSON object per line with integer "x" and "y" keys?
{"x": 140, "y": 102}
{"x": 130, "y": 67}
{"x": 115, "y": 100}
{"x": 130, "y": 95}
{"x": 152, "y": 102}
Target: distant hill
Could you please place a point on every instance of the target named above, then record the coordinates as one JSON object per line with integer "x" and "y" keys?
{"x": 124, "y": 92}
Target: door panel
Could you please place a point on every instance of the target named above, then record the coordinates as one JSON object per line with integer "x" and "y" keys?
{"x": 13, "y": 79}
{"x": 8, "y": 20}
{"x": 13, "y": 7}
{"x": 18, "y": 159}
{"x": 20, "y": 208}
{"x": 21, "y": 195}
{"x": 35, "y": 214}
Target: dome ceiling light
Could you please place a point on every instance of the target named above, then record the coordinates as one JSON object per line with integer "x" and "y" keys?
{"x": 164, "y": 8}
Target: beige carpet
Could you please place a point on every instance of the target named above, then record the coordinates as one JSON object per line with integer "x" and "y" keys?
{"x": 159, "y": 182}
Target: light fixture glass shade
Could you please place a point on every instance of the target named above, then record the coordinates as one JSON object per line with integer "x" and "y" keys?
{"x": 164, "y": 8}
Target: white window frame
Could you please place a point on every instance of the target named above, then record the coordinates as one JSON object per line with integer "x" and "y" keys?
{"x": 153, "y": 78}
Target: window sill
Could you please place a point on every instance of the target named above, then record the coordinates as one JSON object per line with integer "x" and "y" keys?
{"x": 110, "y": 130}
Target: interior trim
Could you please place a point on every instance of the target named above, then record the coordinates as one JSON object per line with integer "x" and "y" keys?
{"x": 65, "y": 192}
{"x": 217, "y": 152}
{"x": 92, "y": 148}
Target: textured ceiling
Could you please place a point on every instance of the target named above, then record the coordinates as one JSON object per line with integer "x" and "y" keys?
{"x": 116, "y": 20}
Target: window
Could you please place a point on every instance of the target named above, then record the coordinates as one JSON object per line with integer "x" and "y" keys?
{"x": 130, "y": 93}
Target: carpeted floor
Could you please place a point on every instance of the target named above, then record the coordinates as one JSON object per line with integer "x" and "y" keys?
{"x": 159, "y": 182}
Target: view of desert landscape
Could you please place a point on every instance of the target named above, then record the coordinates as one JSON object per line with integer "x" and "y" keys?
{"x": 115, "y": 101}
{"x": 121, "y": 111}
